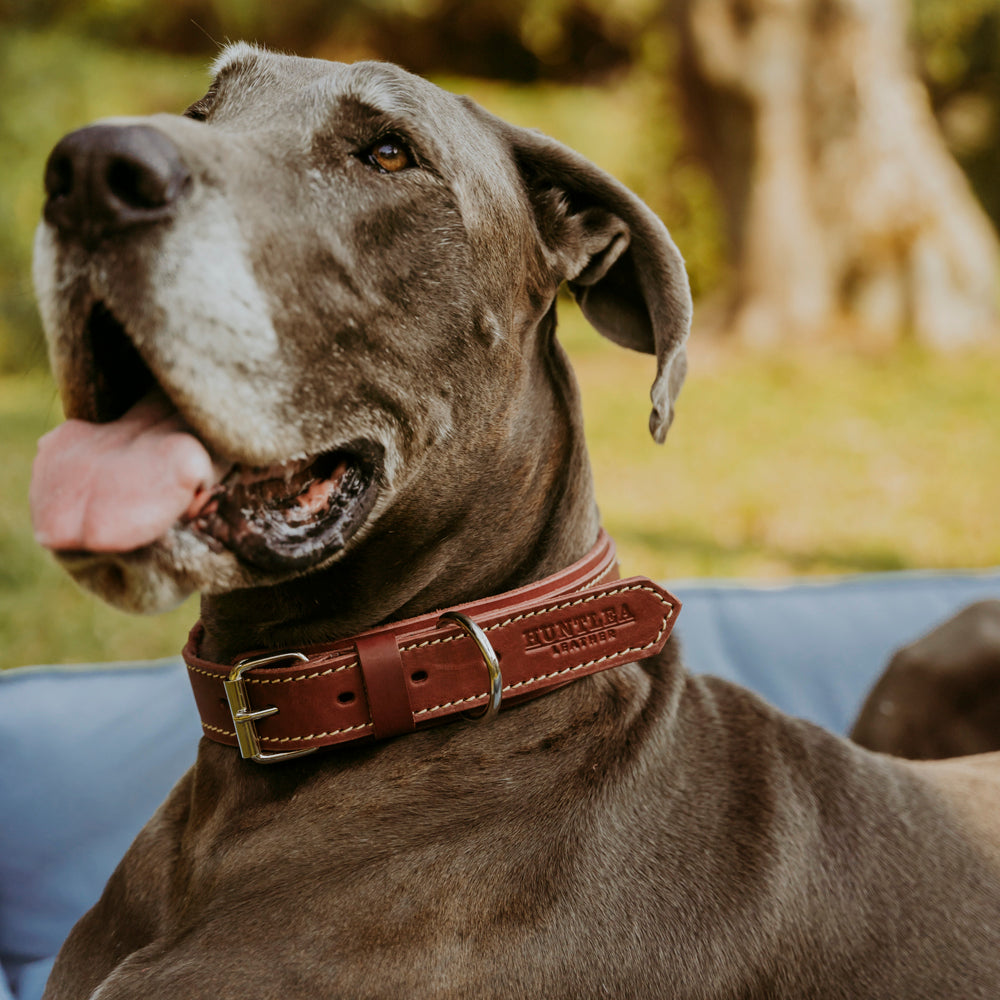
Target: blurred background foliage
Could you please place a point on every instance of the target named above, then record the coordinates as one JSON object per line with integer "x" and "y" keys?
{"x": 596, "y": 73}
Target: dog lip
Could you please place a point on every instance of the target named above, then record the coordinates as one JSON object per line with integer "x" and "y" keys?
{"x": 292, "y": 516}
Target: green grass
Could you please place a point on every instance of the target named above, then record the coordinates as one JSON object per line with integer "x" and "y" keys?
{"x": 808, "y": 463}
{"x": 775, "y": 467}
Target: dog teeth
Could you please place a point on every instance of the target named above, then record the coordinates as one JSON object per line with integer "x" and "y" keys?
{"x": 285, "y": 503}
{"x": 201, "y": 504}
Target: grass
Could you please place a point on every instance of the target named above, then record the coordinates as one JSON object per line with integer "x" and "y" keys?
{"x": 777, "y": 466}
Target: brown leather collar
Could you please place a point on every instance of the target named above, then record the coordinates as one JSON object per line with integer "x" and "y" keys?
{"x": 423, "y": 671}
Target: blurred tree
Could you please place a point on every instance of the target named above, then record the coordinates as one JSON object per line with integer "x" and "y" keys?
{"x": 958, "y": 46}
{"x": 841, "y": 199}
{"x": 521, "y": 40}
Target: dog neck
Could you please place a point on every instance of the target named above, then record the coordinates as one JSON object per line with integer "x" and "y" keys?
{"x": 529, "y": 519}
{"x": 427, "y": 670}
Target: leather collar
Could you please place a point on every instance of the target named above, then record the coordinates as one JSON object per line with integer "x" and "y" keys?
{"x": 427, "y": 670}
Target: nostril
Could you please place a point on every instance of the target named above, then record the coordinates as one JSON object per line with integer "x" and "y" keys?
{"x": 137, "y": 184}
{"x": 58, "y": 176}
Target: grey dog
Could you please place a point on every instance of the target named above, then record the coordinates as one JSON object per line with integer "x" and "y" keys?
{"x": 338, "y": 283}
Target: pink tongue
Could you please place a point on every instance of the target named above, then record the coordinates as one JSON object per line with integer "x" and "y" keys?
{"x": 119, "y": 486}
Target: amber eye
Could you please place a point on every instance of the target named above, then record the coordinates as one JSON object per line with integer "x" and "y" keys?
{"x": 390, "y": 155}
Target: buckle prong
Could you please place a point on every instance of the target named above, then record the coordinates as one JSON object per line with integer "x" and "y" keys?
{"x": 244, "y": 716}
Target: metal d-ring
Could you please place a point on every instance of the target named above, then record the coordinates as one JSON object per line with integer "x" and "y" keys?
{"x": 490, "y": 658}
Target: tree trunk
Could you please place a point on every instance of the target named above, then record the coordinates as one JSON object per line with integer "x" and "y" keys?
{"x": 845, "y": 210}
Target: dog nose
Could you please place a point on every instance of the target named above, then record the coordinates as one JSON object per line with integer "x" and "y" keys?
{"x": 104, "y": 179}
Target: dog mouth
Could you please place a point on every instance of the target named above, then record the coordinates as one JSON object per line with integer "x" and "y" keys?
{"x": 128, "y": 467}
{"x": 289, "y": 516}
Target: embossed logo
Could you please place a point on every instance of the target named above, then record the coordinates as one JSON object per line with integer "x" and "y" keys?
{"x": 578, "y": 632}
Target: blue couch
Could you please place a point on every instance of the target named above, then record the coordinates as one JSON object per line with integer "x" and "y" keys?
{"x": 87, "y": 752}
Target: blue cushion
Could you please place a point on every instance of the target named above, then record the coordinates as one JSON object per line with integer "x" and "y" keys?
{"x": 88, "y": 752}
{"x": 814, "y": 649}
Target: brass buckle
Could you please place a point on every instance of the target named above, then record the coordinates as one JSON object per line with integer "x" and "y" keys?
{"x": 244, "y": 716}
{"x": 490, "y": 658}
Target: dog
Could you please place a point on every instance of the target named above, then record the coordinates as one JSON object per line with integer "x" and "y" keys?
{"x": 304, "y": 335}
{"x": 939, "y": 696}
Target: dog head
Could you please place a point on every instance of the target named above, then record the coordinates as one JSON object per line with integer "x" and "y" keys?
{"x": 310, "y": 301}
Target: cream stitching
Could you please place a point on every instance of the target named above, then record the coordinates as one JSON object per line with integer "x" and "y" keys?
{"x": 594, "y": 581}
{"x": 542, "y": 611}
{"x": 280, "y": 680}
{"x": 489, "y": 628}
{"x": 566, "y": 670}
{"x": 292, "y": 739}
{"x": 464, "y": 701}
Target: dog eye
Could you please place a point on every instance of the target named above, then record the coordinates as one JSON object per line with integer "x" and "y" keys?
{"x": 389, "y": 155}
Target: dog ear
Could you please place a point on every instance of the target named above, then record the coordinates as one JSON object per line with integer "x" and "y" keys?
{"x": 616, "y": 255}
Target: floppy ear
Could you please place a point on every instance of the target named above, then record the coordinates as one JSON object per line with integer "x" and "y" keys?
{"x": 616, "y": 255}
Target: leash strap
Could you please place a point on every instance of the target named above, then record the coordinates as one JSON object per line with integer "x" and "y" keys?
{"x": 431, "y": 669}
